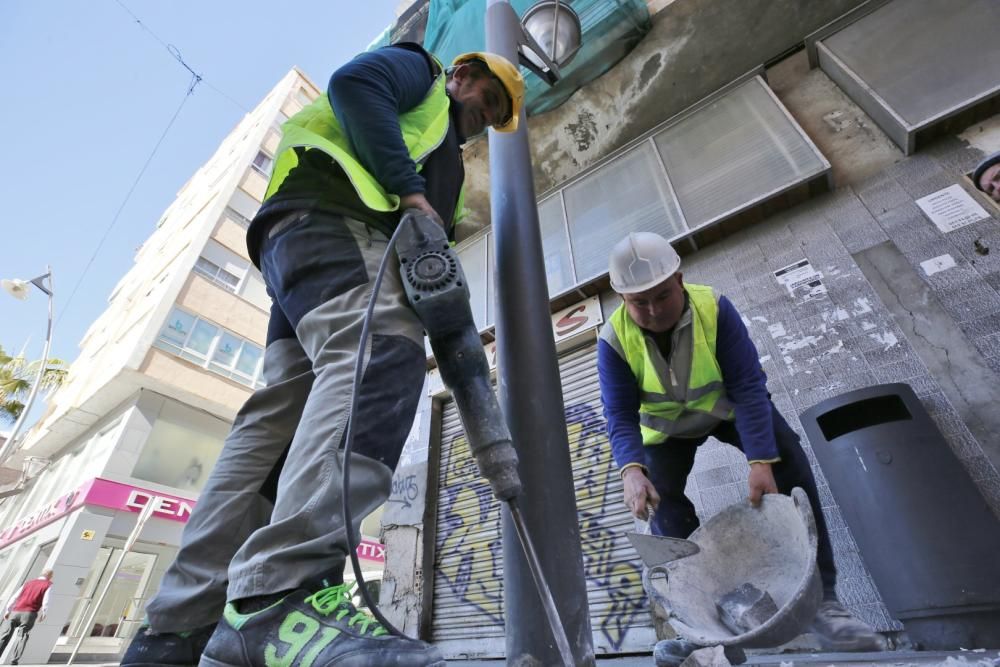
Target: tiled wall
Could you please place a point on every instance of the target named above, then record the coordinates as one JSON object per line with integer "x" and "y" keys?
{"x": 813, "y": 350}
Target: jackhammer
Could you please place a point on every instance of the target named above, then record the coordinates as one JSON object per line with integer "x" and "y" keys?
{"x": 437, "y": 290}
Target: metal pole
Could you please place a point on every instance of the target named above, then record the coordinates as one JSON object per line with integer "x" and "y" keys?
{"x": 144, "y": 515}
{"x": 8, "y": 447}
{"x": 531, "y": 398}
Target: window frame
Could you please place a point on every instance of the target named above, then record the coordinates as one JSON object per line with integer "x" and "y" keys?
{"x": 207, "y": 361}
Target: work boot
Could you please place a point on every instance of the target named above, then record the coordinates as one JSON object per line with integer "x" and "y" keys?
{"x": 167, "y": 649}
{"x": 838, "y": 631}
{"x": 313, "y": 626}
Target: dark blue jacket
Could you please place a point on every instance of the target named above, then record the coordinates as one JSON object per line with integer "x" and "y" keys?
{"x": 368, "y": 94}
{"x": 746, "y": 389}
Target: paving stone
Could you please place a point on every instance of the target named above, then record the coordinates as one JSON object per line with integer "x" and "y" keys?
{"x": 953, "y": 154}
{"x": 973, "y": 289}
{"x": 797, "y": 381}
{"x": 982, "y": 327}
{"x": 990, "y": 488}
{"x": 989, "y": 346}
{"x": 914, "y": 168}
{"x": 930, "y": 184}
{"x": 882, "y": 194}
{"x": 713, "y": 477}
{"x": 980, "y": 468}
{"x": 900, "y": 371}
{"x": 973, "y": 309}
{"x": 923, "y": 385}
{"x": 889, "y": 354}
{"x": 861, "y": 237}
{"x": 825, "y": 495}
{"x": 841, "y": 384}
{"x": 857, "y": 591}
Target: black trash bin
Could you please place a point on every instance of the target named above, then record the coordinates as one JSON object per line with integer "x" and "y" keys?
{"x": 926, "y": 534}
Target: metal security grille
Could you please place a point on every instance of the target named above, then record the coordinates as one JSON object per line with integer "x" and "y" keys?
{"x": 468, "y": 608}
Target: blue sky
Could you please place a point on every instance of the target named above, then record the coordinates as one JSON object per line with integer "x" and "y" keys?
{"x": 86, "y": 95}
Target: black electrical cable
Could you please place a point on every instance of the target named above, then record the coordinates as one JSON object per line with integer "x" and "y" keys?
{"x": 352, "y": 547}
{"x": 128, "y": 197}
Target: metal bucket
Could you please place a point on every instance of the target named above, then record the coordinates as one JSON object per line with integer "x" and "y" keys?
{"x": 772, "y": 547}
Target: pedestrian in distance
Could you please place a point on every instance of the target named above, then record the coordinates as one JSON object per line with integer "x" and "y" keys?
{"x": 27, "y": 606}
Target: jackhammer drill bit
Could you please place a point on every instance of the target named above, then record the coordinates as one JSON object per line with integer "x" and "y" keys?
{"x": 436, "y": 287}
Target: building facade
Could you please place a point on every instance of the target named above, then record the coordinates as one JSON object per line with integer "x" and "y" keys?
{"x": 792, "y": 151}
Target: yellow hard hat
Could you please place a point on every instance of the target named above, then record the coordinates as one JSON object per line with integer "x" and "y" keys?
{"x": 509, "y": 77}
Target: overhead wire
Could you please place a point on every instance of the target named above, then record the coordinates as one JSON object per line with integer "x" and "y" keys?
{"x": 196, "y": 79}
{"x": 128, "y": 196}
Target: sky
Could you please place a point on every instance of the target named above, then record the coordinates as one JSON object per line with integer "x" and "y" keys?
{"x": 87, "y": 93}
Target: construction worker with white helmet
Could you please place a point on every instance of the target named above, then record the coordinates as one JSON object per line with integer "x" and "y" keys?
{"x": 259, "y": 574}
{"x": 677, "y": 366}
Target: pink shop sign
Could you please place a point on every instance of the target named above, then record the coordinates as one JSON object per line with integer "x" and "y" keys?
{"x": 118, "y": 496}
{"x": 43, "y": 516}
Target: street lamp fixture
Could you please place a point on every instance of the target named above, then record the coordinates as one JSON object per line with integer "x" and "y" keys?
{"x": 19, "y": 289}
{"x": 556, "y": 29}
{"x": 547, "y": 38}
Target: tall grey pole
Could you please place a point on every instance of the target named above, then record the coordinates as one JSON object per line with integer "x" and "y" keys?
{"x": 531, "y": 398}
{"x": 7, "y": 449}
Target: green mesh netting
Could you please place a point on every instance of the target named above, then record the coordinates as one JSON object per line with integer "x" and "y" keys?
{"x": 610, "y": 29}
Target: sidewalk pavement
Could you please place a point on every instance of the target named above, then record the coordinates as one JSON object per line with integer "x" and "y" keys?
{"x": 977, "y": 658}
{"x": 885, "y": 659}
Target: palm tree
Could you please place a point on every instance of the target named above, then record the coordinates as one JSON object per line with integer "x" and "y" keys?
{"x": 16, "y": 377}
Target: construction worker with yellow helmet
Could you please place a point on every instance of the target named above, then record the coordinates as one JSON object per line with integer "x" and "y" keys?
{"x": 261, "y": 561}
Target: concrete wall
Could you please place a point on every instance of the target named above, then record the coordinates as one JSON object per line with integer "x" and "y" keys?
{"x": 694, "y": 48}
{"x": 222, "y": 307}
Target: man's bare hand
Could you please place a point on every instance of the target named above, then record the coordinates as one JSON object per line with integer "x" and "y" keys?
{"x": 639, "y": 493}
{"x": 761, "y": 482}
{"x": 418, "y": 201}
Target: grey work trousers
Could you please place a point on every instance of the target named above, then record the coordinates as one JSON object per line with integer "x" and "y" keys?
{"x": 25, "y": 620}
{"x": 318, "y": 269}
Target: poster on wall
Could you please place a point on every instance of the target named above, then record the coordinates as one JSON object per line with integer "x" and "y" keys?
{"x": 952, "y": 208}
{"x": 802, "y": 281}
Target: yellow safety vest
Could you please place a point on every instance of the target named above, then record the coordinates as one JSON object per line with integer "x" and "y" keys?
{"x": 682, "y": 396}
{"x": 424, "y": 128}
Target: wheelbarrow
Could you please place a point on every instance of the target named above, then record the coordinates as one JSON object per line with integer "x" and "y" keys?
{"x": 772, "y": 547}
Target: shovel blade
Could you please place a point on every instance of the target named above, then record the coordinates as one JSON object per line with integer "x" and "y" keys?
{"x": 656, "y": 550}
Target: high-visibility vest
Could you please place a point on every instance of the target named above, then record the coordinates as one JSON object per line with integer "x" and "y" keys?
{"x": 682, "y": 396}
{"x": 423, "y": 127}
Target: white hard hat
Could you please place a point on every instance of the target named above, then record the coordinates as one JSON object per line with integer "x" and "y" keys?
{"x": 640, "y": 261}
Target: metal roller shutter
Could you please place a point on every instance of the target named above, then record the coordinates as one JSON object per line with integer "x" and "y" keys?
{"x": 468, "y": 564}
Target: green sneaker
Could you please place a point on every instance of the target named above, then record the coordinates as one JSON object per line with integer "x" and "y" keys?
{"x": 312, "y": 629}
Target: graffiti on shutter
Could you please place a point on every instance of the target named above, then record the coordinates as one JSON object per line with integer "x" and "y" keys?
{"x": 468, "y": 614}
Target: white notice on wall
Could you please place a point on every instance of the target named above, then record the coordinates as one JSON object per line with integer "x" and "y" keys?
{"x": 938, "y": 264}
{"x": 952, "y": 208}
{"x": 802, "y": 280}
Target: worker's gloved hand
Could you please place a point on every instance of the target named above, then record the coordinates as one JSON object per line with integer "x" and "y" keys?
{"x": 418, "y": 201}
{"x": 761, "y": 481}
{"x": 639, "y": 493}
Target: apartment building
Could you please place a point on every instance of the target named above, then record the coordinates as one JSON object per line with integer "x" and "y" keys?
{"x": 160, "y": 376}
